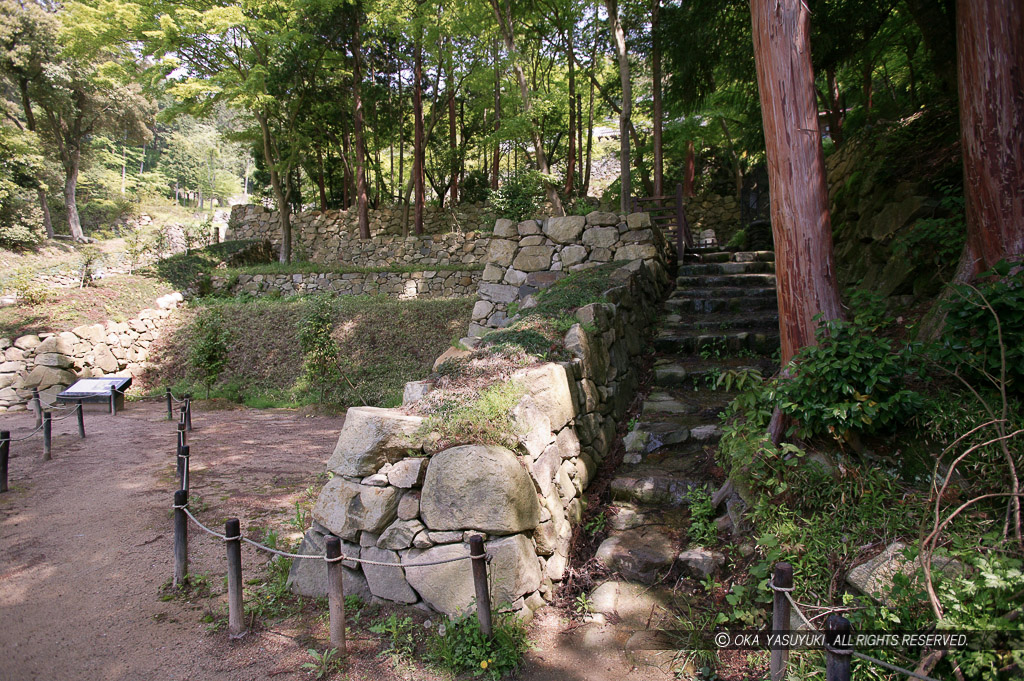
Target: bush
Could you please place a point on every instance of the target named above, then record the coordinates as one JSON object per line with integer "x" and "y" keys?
{"x": 519, "y": 196}
{"x": 209, "y": 352}
{"x": 978, "y": 318}
{"x": 851, "y": 381}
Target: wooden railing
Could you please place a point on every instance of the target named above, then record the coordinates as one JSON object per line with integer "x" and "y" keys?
{"x": 668, "y": 213}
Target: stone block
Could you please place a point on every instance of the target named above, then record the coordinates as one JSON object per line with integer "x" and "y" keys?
{"x": 480, "y": 487}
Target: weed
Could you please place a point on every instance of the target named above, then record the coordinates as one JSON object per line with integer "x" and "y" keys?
{"x": 322, "y": 664}
{"x": 458, "y": 646}
{"x": 398, "y": 639}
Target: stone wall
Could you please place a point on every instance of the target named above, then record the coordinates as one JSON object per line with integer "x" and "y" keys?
{"x": 712, "y": 211}
{"x": 526, "y": 257}
{"x": 400, "y": 285}
{"x": 395, "y": 498}
{"x": 51, "y": 362}
{"x": 333, "y": 236}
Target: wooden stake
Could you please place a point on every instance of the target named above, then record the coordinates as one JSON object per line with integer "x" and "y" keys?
{"x": 483, "y": 596}
{"x": 236, "y": 609}
{"x": 782, "y": 577}
{"x": 335, "y": 594}
{"x": 180, "y": 538}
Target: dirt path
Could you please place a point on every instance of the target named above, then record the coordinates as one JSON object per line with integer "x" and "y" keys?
{"x": 85, "y": 542}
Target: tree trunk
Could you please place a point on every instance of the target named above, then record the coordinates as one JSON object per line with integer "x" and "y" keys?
{"x": 70, "y": 188}
{"x": 796, "y": 170}
{"x": 691, "y": 171}
{"x": 570, "y": 154}
{"x": 418, "y": 151}
{"x": 626, "y": 111}
{"x": 656, "y": 113}
{"x": 362, "y": 209}
{"x": 541, "y": 161}
{"x": 453, "y": 138}
{"x": 283, "y": 209}
{"x": 990, "y": 63}
{"x": 496, "y": 164}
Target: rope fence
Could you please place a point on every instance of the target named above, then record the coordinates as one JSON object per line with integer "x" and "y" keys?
{"x": 332, "y": 556}
{"x": 837, "y": 660}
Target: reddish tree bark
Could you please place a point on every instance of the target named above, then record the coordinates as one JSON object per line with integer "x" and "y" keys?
{"x": 990, "y": 64}
{"x": 796, "y": 170}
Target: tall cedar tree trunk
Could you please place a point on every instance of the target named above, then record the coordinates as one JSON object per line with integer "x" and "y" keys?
{"x": 796, "y": 171}
{"x": 990, "y": 64}
{"x": 627, "y": 105}
{"x": 496, "y": 164}
{"x": 570, "y": 154}
{"x": 280, "y": 194}
{"x": 656, "y": 113}
{"x": 453, "y": 141}
{"x": 505, "y": 24}
{"x": 362, "y": 209}
{"x": 417, "y": 146}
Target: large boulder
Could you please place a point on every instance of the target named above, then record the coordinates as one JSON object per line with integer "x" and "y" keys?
{"x": 478, "y": 487}
{"x": 513, "y": 570}
{"x": 308, "y": 576}
{"x": 346, "y": 508}
{"x": 549, "y": 387}
{"x": 372, "y": 437}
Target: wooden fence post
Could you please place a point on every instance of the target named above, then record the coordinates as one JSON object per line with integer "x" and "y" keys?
{"x": 335, "y": 593}
{"x": 81, "y": 419}
{"x": 838, "y": 648}
{"x": 170, "y": 407}
{"x": 782, "y": 578}
{"x": 47, "y": 435}
{"x": 180, "y": 538}
{"x": 236, "y": 609}
{"x": 5, "y": 453}
{"x": 483, "y": 596}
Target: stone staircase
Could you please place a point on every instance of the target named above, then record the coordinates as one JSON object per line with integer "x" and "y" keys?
{"x": 722, "y": 317}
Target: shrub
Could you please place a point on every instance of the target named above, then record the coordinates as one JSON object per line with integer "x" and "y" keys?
{"x": 852, "y": 380}
{"x": 978, "y": 318}
{"x": 209, "y": 352}
{"x": 519, "y": 195}
{"x": 321, "y": 351}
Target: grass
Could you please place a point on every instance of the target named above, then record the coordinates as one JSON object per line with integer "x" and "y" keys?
{"x": 383, "y": 343}
{"x": 117, "y": 298}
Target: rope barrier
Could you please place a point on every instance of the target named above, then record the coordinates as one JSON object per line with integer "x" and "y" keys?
{"x": 19, "y": 439}
{"x": 845, "y": 651}
{"x": 343, "y": 557}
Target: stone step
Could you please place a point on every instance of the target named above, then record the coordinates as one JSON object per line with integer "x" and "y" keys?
{"x": 740, "y": 256}
{"x": 724, "y": 292}
{"x": 724, "y": 280}
{"x": 749, "y": 321}
{"x": 676, "y": 375}
{"x": 692, "y": 270}
{"x": 690, "y": 342}
{"x": 688, "y": 305}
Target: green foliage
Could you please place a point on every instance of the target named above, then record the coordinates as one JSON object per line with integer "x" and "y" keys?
{"x": 458, "y": 647}
{"x": 486, "y": 419}
{"x": 702, "y": 529}
{"x": 398, "y": 639}
{"x": 322, "y": 665}
{"x": 320, "y": 350}
{"x": 519, "y": 195}
{"x": 209, "y": 352}
{"x": 852, "y": 380}
{"x": 985, "y": 329}
{"x": 20, "y": 168}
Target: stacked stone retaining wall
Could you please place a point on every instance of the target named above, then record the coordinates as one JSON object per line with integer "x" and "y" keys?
{"x": 51, "y": 362}
{"x": 395, "y": 498}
